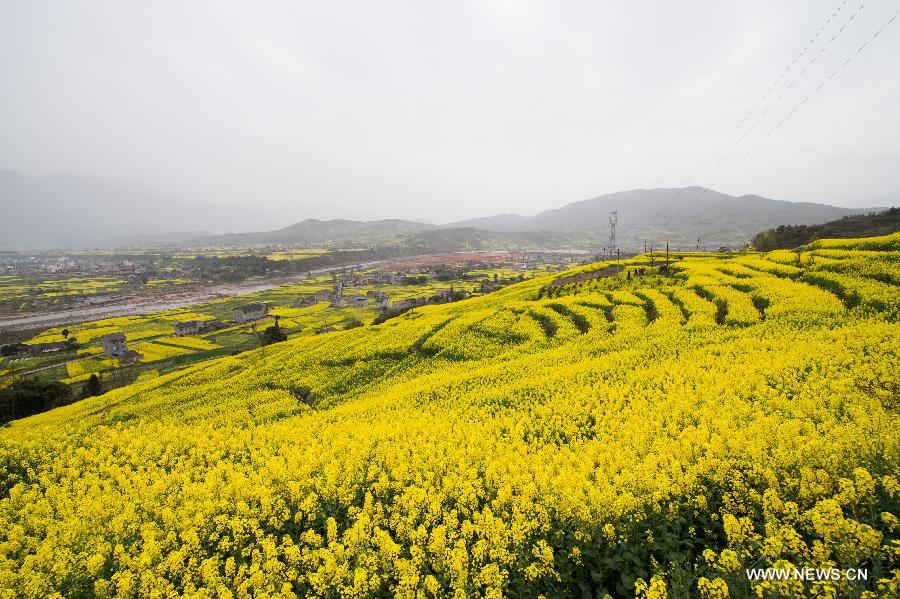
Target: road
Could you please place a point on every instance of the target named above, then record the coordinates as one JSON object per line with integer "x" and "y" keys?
{"x": 138, "y": 305}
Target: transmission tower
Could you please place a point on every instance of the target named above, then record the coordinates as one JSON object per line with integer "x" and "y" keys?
{"x": 613, "y": 220}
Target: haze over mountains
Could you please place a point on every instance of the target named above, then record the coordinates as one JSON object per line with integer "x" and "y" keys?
{"x": 74, "y": 211}
{"x": 67, "y": 211}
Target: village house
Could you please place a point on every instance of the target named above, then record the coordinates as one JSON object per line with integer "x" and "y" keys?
{"x": 188, "y": 327}
{"x": 322, "y": 295}
{"x": 251, "y": 312}
{"x": 403, "y": 304}
{"x": 306, "y": 301}
{"x": 360, "y": 301}
{"x": 36, "y": 349}
{"x": 114, "y": 344}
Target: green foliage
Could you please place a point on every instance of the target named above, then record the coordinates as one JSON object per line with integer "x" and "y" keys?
{"x": 92, "y": 386}
{"x": 273, "y": 334}
{"x": 791, "y": 236}
{"x": 12, "y": 349}
{"x": 547, "y": 323}
{"x": 25, "y": 397}
{"x": 352, "y": 323}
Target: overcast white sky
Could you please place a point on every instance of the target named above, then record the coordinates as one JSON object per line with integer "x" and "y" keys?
{"x": 447, "y": 110}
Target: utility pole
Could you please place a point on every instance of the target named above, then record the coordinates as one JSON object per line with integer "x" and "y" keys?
{"x": 618, "y": 268}
{"x": 667, "y": 257}
{"x": 698, "y": 243}
{"x": 613, "y": 220}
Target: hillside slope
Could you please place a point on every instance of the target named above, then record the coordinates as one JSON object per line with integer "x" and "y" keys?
{"x": 321, "y": 232}
{"x": 601, "y": 436}
{"x": 862, "y": 225}
{"x": 392, "y": 236}
{"x": 678, "y": 216}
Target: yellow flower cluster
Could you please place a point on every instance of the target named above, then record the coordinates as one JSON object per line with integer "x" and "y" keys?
{"x": 641, "y": 440}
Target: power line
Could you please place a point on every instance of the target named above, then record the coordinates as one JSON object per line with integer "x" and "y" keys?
{"x": 799, "y": 76}
{"x": 780, "y": 77}
{"x": 797, "y": 107}
{"x": 765, "y": 95}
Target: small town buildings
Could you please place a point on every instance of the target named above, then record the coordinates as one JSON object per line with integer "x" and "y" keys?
{"x": 52, "y": 347}
{"x": 251, "y": 312}
{"x": 306, "y": 301}
{"x": 114, "y": 344}
{"x": 188, "y": 327}
{"x": 404, "y": 304}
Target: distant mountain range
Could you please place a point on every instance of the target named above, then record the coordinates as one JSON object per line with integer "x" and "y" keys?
{"x": 74, "y": 211}
{"x": 67, "y": 211}
{"x": 654, "y": 216}
{"x": 678, "y": 216}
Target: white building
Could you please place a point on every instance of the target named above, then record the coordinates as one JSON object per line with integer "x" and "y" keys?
{"x": 114, "y": 344}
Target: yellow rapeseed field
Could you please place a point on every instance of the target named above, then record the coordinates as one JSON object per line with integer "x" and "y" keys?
{"x": 635, "y": 435}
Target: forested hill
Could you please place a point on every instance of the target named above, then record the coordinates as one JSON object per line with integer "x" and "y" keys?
{"x": 862, "y": 225}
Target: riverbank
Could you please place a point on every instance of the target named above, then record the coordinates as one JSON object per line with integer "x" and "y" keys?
{"x": 143, "y": 304}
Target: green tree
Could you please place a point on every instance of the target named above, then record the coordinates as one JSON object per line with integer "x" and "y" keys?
{"x": 352, "y": 323}
{"x": 273, "y": 334}
{"x": 26, "y": 397}
{"x": 92, "y": 387}
{"x": 12, "y": 349}
{"x": 765, "y": 241}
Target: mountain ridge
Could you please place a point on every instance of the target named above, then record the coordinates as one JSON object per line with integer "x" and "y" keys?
{"x": 75, "y": 211}
{"x": 659, "y": 215}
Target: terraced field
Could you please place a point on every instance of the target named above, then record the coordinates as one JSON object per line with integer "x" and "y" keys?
{"x": 636, "y": 434}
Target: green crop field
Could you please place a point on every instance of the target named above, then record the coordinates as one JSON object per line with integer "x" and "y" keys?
{"x": 623, "y": 432}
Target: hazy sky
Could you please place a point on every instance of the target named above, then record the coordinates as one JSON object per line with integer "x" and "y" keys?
{"x": 446, "y": 110}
